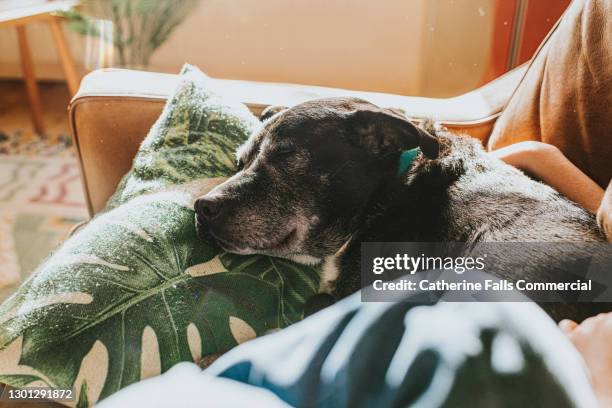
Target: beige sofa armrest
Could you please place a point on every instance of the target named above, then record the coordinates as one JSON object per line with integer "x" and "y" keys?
{"x": 114, "y": 109}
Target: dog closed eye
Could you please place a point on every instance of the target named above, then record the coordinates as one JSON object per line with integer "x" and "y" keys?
{"x": 280, "y": 154}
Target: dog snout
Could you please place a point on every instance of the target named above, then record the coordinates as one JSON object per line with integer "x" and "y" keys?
{"x": 208, "y": 208}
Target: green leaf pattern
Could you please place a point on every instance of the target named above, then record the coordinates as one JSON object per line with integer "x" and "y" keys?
{"x": 135, "y": 291}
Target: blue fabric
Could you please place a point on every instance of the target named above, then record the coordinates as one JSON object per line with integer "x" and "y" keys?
{"x": 184, "y": 386}
{"x": 357, "y": 354}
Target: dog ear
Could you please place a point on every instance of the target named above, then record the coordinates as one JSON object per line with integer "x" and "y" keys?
{"x": 270, "y": 111}
{"x": 385, "y": 130}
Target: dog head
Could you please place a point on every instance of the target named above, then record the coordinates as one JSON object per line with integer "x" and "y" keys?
{"x": 306, "y": 178}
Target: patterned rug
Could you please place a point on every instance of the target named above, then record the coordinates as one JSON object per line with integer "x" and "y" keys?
{"x": 41, "y": 199}
{"x": 16, "y": 143}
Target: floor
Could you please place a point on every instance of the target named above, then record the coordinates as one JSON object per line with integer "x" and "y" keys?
{"x": 40, "y": 192}
{"x": 16, "y": 132}
{"x": 41, "y": 197}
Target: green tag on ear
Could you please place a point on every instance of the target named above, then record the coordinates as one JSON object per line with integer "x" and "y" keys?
{"x": 406, "y": 159}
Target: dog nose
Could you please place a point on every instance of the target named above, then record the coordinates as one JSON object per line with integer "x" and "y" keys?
{"x": 207, "y": 207}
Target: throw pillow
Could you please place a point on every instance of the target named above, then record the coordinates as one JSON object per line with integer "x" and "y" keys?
{"x": 135, "y": 292}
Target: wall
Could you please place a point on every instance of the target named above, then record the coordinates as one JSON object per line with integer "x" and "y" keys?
{"x": 394, "y": 46}
{"x": 457, "y": 41}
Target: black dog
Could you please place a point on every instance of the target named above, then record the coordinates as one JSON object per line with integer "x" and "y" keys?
{"x": 321, "y": 177}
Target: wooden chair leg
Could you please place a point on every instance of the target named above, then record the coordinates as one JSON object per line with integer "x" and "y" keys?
{"x": 30, "y": 80}
{"x": 70, "y": 73}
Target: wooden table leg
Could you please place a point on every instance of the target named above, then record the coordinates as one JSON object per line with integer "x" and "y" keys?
{"x": 30, "y": 80}
{"x": 70, "y": 73}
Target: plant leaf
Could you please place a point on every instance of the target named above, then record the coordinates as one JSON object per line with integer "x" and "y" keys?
{"x": 19, "y": 380}
{"x": 112, "y": 293}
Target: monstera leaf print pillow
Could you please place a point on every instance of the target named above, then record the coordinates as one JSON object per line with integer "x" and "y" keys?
{"x": 135, "y": 292}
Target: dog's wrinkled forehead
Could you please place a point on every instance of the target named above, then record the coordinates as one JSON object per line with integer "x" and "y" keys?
{"x": 285, "y": 126}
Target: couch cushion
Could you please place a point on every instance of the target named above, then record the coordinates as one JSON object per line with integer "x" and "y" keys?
{"x": 135, "y": 292}
{"x": 565, "y": 96}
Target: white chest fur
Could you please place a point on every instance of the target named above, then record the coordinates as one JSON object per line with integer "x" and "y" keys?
{"x": 329, "y": 274}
